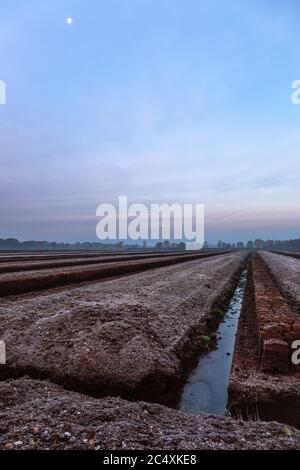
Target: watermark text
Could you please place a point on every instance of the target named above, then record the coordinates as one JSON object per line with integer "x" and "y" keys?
{"x": 296, "y": 353}
{"x": 2, "y": 353}
{"x": 296, "y": 93}
{"x": 154, "y": 222}
{"x": 2, "y": 92}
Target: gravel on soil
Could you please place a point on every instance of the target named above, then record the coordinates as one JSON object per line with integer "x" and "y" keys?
{"x": 37, "y": 415}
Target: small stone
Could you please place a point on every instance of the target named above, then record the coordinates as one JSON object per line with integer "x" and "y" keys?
{"x": 18, "y": 443}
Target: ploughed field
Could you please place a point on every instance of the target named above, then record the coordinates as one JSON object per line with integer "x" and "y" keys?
{"x": 19, "y": 278}
{"x": 98, "y": 359}
{"x": 52, "y": 255}
{"x": 13, "y": 266}
{"x": 130, "y": 336}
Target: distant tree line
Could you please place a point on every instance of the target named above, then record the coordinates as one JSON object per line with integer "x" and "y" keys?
{"x": 167, "y": 245}
{"x": 12, "y": 244}
{"x": 258, "y": 244}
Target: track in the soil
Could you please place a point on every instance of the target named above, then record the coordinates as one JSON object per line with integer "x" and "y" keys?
{"x": 25, "y": 282}
{"x": 264, "y": 381}
{"x": 261, "y": 290}
{"x": 147, "y": 391}
{"x": 6, "y": 257}
{"x": 33, "y": 265}
{"x": 292, "y": 254}
{"x": 267, "y": 327}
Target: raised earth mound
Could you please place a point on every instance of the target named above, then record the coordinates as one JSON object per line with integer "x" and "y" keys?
{"x": 41, "y": 415}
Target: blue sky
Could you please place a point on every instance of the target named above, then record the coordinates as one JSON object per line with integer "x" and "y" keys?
{"x": 162, "y": 100}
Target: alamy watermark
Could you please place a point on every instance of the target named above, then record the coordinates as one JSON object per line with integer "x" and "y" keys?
{"x": 296, "y": 93}
{"x": 2, "y": 92}
{"x": 154, "y": 222}
{"x": 296, "y": 353}
{"x": 2, "y": 353}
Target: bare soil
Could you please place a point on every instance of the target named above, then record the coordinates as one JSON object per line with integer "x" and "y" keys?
{"x": 286, "y": 273}
{"x": 255, "y": 392}
{"x": 33, "y": 265}
{"x": 40, "y": 415}
{"x": 136, "y": 338}
{"x": 23, "y": 256}
{"x": 23, "y": 282}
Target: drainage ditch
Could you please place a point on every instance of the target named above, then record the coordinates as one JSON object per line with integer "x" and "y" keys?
{"x": 207, "y": 388}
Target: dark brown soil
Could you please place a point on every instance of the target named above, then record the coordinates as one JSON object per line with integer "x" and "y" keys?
{"x": 42, "y": 256}
{"x": 285, "y": 272}
{"x": 33, "y": 265}
{"x": 22, "y": 282}
{"x": 259, "y": 388}
{"x": 40, "y": 415}
{"x": 136, "y": 338}
{"x": 23, "y": 256}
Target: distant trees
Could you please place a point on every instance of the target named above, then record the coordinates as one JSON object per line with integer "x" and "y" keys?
{"x": 259, "y": 244}
{"x": 12, "y": 244}
{"x": 223, "y": 245}
{"x": 166, "y": 245}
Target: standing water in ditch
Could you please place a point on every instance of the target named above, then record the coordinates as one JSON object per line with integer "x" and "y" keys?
{"x": 206, "y": 389}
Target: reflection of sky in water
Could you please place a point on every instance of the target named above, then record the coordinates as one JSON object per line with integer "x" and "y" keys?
{"x": 206, "y": 389}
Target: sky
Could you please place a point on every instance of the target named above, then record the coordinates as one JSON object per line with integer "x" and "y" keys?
{"x": 160, "y": 100}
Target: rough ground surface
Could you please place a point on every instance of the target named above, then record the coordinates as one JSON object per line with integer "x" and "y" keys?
{"x": 37, "y": 265}
{"x": 33, "y": 265}
{"x": 30, "y": 256}
{"x": 134, "y": 338}
{"x": 41, "y": 415}
{"x": 286, "y": 271}
{"x": 12, "y": 283}
{"x": 253, "y": 391}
